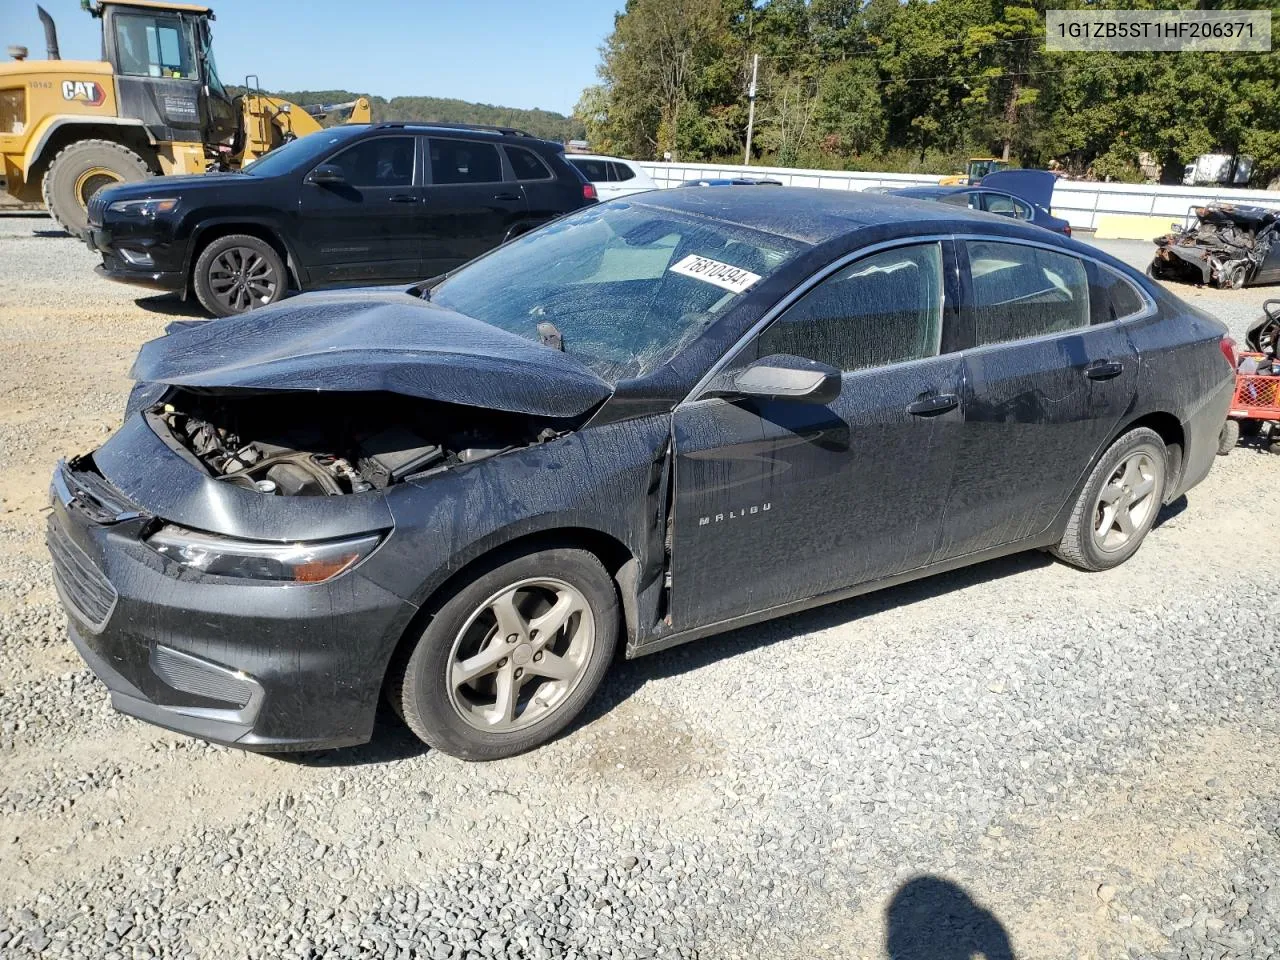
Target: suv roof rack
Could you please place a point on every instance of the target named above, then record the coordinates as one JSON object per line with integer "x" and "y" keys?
{"x": 444, "y": 124}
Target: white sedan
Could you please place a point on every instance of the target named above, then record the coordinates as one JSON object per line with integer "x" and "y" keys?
{"x": 612, "y": 176}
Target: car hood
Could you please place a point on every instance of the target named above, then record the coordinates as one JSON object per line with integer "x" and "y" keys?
{"x": 1034, "y": 186}
{"x": 374, "y": 340}
{"x": 166, "y": 186}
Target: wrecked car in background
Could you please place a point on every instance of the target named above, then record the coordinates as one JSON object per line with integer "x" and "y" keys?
{"x": 649, "y": 421}
{"x": 1229, "y": 245}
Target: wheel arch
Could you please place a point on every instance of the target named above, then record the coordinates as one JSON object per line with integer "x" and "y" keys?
{"x": 61, "y": 132}
{"x": 1170, "y": 430}
{"x": 619, "y": 562}
{"x": 207, "y": 233}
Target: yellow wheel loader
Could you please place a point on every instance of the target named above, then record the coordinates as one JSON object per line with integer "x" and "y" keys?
{"x": 979, "y": 167}
{"x": 153, "y": 106}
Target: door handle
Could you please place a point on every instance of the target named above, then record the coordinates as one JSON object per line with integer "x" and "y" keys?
{"x": 507, "y": 196}
{"x": 932, "y": 406}
{"x": 1104, "y": 370}
{"x": 403, "y": 198}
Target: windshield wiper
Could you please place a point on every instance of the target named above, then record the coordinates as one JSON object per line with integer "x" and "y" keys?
{"x": 549, "y": 336}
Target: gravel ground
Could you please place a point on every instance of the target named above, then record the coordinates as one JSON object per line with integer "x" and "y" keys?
{"x": 1015, "y": 759}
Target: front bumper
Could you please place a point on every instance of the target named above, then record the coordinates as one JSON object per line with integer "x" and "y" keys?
{"x": 163, "y": 273}
{"x": 262, "y": 666}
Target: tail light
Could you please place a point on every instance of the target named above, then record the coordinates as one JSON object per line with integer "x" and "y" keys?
{"x": 1067, "y": 229}
{"x": 589, "y": 192}
{"x": 1228, "y": 347}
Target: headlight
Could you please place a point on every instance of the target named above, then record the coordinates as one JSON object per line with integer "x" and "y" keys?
{"x": 312, "y": 562}
{"x": 142, "y": 208}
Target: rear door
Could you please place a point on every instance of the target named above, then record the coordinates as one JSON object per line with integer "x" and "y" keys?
{"x": 776, "y": 500}
{"x": 1048, "y": 375}
{"x": 369, "y": 227}
{"x": 472, "y": 201}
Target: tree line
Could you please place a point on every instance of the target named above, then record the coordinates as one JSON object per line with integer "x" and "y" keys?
{"x": 541, "y": 123}
{"x": 918, "y": 86}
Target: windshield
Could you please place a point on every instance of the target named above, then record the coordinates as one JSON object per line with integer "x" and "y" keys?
{"x": 210, "y": 68}
{"x": 298, "y": 153}
{"x": 624, "y": 285}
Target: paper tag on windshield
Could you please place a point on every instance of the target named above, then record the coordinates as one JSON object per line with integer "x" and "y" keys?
{"x": 724, "y": 275}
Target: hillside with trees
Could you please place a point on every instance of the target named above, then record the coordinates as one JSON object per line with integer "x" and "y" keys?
{"x": 917, "y": 86}
{"x": 541, "y": 123}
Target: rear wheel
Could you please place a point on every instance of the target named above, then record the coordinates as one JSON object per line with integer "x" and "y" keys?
{"x": 238, "y": 273}
{"x": 512, "y": 658}
{"x": 81, "y": 170}
{"x": 1119, "y": 503}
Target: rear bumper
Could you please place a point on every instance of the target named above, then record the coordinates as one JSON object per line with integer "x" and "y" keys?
{"x": 257, "y": 665}
{"x": 1201, "y": 431}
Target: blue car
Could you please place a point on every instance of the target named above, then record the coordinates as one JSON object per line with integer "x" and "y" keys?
{"x": 1020, "y": 194}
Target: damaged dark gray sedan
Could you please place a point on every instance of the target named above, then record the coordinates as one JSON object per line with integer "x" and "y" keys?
{"x": 648, "y": 422}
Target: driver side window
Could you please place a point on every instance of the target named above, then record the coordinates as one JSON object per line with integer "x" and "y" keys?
{"x": 381, "y": 162}
{"x": 885, "y": 308}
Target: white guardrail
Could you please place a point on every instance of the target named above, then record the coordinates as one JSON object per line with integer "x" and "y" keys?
{"x": 1082, "y": 203}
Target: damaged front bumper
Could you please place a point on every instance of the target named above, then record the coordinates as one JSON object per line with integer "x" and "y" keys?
{"x": 1228, "y": 245}
{"x": 254, "y": 664}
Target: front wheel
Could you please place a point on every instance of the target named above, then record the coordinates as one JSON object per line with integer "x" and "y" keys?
{"x": 79, "y": 171}
{"x": 238, "y": 273}
{"x": 1119, "y": 503}
{"x": 511, "y": 658}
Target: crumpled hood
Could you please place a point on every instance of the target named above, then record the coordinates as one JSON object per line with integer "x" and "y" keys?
{"x": 374, "y": 340}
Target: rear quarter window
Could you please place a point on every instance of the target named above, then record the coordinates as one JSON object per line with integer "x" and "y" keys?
{"x": 527, "y": 164}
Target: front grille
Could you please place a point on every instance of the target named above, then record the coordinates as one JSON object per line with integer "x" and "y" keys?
{"x": 82, "y": 586}
{"x": 96, "y": 207}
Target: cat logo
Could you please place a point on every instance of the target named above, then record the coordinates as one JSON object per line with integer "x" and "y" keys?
{"x": 84, "y": 91}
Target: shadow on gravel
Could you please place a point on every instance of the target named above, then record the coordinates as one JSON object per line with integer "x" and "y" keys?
{"x": 1170, "y": 510}
{"x": 931, "y": 918}
{"x": 51, "y": 234}
{"x": 172, "y": 305}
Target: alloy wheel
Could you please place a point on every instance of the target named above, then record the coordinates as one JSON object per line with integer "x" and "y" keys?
{"x": 241, "y": 278}
{"x": 1127, "y": 501}
{"x": 520, "y": 655}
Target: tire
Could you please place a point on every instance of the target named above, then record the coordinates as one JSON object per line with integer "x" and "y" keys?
{"x": 458, "y": 718}
{"x": 81, "y": 170}
{"x": 1229, "y": 437}
{"x": 1137, "y": 460}
{"x": 238, "y": 273}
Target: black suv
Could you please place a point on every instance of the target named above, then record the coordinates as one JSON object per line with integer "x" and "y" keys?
{"x": 352, "y": 205}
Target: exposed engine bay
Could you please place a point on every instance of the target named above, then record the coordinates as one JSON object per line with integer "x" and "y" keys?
{"x": 1225, "y": 247}
{"x": 328, "y": 444}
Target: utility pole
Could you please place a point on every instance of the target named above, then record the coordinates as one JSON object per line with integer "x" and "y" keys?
{"x": 751, "y": 108}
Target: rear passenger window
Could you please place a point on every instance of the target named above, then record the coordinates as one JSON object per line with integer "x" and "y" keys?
{"x": 622, "y": 172}
{"x": 1023, "y": 291}
{"x": 381, "y": 162}
{"x": 527, "y": 165}
{"x": 885, "y": 308}
{"x": 597, "y": 171}
{"x": 463, "y": 161}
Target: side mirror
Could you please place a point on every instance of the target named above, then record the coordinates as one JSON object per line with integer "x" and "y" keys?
{"x": 784, "y": 377}
{"x": 327, "y": 173}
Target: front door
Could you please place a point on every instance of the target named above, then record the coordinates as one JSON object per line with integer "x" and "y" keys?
{"x": 1049, "y": 375}
{"x": 778, "y": 500}
{"x": 367, "y": 228}
{"x": 471, "y": 203}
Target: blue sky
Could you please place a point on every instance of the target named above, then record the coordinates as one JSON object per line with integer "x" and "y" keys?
{"x": 515, "y": 54}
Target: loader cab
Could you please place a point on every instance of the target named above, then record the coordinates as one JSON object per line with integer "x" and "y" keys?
{"x": 162, "y": 57}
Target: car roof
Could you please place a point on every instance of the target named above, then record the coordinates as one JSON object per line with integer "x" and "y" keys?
{"x": 483, "y": 131}
{"x": 803, "y": 213}
{"x": 596, "y": 156}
